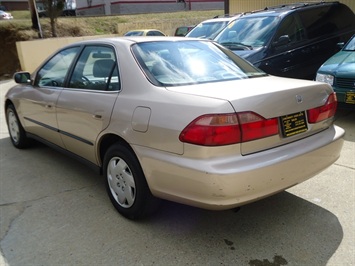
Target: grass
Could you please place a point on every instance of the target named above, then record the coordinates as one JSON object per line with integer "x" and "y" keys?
{"x": 20, "y": 29}
{"x": 116, "y": 24}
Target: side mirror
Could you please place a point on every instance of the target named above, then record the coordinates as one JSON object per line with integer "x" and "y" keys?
{"x": 340, "y": 45}
{"x": 22, "y": 77}
{"x": 283, "y": 40}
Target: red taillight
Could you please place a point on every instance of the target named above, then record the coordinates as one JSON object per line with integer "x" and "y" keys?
{"x": 212, "y": 130}
{"x": 255, "y": 126}
{"x": 323, "y": 112}
{"x": 225, "y": 129}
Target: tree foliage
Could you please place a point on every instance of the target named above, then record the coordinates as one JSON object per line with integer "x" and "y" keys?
{"x": 54, "y": 8}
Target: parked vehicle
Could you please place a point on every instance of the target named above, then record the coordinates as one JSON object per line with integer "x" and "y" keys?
{"x": 5, "y": 15}
{"x": 339, "y": 72}
{"x": 290, "y": 40}
{"x": 176, "y": 118}
{"x": 68, "y": 10}
{"x": 209, "y": 29}
{"x": 144, "y": 32}
{"x": 183, "y": 30}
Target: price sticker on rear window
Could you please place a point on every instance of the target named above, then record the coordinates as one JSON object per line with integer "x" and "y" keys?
{"x": 293, "y": 124}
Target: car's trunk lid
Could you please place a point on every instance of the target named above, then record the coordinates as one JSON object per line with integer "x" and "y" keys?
{"x": 270, "y": 97}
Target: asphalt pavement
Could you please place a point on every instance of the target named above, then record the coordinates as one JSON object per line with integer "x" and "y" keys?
{"x": 55, "y": 211}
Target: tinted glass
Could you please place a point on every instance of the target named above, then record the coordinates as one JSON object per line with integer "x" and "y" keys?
{"x": 190, "y": 62}
{"x": 155, "y": 33}
{"x": 252, "y": 31}
{"x": 292, "y": 28}
{"x": 96, "y": 69}
{"x": 134, "y": 33}
{"x": 327, "y": 20}
{"x": 53, "y": 73}
{"x": 207, "y": 30}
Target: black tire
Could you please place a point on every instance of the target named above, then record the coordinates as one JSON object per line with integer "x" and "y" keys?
{"x": 17, "y": 133}
{"x": 126, "y": 185}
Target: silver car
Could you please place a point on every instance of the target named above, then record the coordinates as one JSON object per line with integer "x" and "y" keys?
{"x": 174, "y": 118}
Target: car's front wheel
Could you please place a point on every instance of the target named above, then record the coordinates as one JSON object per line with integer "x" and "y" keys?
{"x": 126, "y": 184}
{"x": 16, "y": 131}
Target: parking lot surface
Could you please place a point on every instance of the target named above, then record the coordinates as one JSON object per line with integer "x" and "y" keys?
{"x": 55, "y": 211}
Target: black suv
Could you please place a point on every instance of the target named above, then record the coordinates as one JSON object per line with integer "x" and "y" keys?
{"x": 290, "y": 40}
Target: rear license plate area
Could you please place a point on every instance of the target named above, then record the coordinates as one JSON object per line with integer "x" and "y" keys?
{"x": 350, "y": 97}
{"x": 293, "y": 124}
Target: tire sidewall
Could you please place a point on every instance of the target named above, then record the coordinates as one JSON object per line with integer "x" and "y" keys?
{"x": 22, "y": 141}
{"x": 141, "y": 202}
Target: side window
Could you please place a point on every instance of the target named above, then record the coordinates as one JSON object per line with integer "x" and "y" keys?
{"x": 290, "y": 29}
{"x": 327, "y": 20}
{"x": 96, "y": 69}
{"x": 53, "y": 73}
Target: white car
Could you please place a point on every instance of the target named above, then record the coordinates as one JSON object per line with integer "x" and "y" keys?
{"x": 5, "y": 15}
{"x": 176, "y": 118}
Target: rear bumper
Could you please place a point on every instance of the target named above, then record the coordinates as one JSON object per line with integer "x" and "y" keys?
{"x": 224, "y": 183}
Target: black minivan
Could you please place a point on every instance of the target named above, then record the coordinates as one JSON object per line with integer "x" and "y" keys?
{"x": 290, "y": 40}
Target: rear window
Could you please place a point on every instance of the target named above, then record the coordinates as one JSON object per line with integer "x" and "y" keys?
{"x": 173, "y": 63}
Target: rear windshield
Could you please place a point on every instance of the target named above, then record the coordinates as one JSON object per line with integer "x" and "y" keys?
{"x": 173, "y": 63}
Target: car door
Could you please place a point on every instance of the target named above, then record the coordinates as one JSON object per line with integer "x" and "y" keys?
{"x": 84, "y": 108}
{"x": 287, "y": 54}
{"x": 40, "y": 101}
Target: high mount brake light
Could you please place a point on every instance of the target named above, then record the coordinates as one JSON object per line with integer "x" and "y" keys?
{"x": 323, "y": 112}
{"x": 225, "y": 129}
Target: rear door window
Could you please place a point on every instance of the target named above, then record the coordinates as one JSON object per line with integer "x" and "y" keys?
{"x": 96, "y": 69}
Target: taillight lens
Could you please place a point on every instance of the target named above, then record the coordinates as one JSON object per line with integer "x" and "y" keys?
{"x": 255, "y": 126}
{"x": 212, "y": 130}
{"x": 225, "y": 129}
{"x": 326, "y": 111}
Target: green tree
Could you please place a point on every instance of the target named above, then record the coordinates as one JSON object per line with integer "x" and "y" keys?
{"x": 54, "y": 8}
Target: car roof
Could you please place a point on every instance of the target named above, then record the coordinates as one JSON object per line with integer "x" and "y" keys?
{"x": 143, "y": 30}
{"x": 134, "y": 39}
{"x": 224, "y": 18}
{"x": 281, "y": 10}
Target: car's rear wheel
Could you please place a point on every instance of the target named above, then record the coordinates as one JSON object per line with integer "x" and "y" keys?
{"x": 126, "y": 184}
{"x": 16, "y": 131}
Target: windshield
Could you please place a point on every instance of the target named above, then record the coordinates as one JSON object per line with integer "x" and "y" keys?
{"x": 252, "y": 31}
{"x": 134, "y": 33}
{"x": 350, "y": 45}
{"x": 207, "y": 30}
{"x": 172, "y": 63}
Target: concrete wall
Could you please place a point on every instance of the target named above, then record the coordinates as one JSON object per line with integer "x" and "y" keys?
{"x": 138, "y": 8}
{"x": 32, "y": 53}
{"x": 150, "y": 6}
